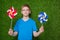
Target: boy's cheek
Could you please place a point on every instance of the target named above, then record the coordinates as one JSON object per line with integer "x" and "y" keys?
{"x": 25, "y": 13}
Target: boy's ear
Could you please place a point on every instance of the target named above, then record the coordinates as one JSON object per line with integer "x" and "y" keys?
{"x": 30, "y": 12}
{"x": 21, "y": 12}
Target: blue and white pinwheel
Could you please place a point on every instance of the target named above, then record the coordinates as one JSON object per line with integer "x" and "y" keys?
{"x": 42, "y": 17}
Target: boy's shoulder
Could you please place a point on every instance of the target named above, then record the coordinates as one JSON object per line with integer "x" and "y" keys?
{"x": 32, "y": 20}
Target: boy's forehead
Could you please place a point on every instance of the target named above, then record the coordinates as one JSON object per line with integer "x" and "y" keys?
{"x": 25, "y": 7}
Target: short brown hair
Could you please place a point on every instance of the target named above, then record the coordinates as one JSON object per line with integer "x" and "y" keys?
{"x": 26, "y": 5}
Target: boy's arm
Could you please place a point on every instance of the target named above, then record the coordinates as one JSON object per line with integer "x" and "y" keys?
{"x": 11, "y": 33}
{"x": 35, "y": 34}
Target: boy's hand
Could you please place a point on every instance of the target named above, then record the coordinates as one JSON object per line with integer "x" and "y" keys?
{"x": 10, "y": 32}
{"x": 41, "y": 29}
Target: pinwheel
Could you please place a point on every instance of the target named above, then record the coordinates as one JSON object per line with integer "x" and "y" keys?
{"x": 11, "y": 13}
{"x": 42, "y": 17}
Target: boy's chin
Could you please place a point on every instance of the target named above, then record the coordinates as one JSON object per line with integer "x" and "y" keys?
{"x": 26, "y": 15}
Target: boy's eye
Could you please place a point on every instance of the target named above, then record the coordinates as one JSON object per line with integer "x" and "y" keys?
{"x": 23, "y": 10}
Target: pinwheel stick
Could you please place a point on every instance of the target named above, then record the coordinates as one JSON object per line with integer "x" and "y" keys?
{"x": 11, "y": 23}
{"x": 42, "y": 24}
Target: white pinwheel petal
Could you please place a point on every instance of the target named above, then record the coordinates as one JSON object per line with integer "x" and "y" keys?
{"x": 45, "y": 14}
{"x": 15, "y": 14}
{"x": 8, "y": 10}
{"x": 12, "y": 9}
{"x": 39, "y": 15}
{"x": 10, "y": 16}
{"x": 46, "y": 19}
{"x": 40, "y": 21}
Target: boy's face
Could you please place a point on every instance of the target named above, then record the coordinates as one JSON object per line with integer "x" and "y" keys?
{"x": 25, "y": 11}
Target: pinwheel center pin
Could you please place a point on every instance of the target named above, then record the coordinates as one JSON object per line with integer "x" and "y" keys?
{"x": 11, "y": 12}
{"x": 43, "y": 17}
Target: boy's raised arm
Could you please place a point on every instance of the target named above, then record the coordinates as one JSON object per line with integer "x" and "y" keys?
{"x": 36, "y": 34}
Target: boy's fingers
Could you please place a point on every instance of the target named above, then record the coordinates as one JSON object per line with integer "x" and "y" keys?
{"x": 42, "y": 29}
{"x": 10, "y": 32}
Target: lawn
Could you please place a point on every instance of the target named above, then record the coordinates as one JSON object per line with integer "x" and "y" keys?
{"x": 51, "y": 7}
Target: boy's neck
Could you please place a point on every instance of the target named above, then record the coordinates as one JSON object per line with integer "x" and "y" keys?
{"x": 25, "y": 18}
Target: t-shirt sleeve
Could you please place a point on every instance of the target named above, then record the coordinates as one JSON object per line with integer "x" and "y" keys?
{"x": 16, "y": 27}
{"x": 34, "y": 27}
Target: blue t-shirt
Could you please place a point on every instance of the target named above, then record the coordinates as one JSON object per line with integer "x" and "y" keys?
{"x": 25, "y": 29}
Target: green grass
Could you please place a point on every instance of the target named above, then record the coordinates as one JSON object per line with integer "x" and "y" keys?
{"x": 51, "y": 7}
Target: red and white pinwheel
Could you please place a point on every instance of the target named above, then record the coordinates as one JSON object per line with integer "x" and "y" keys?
{"x": 11, "y": 12}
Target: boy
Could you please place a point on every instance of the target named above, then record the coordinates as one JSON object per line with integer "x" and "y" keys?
{"x": 25, "y": 27}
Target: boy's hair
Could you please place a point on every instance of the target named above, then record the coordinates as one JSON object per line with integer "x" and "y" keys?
{"x": 26, "y": 5}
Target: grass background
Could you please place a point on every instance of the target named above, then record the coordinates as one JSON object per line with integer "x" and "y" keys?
{"x": 51, "y": 7}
